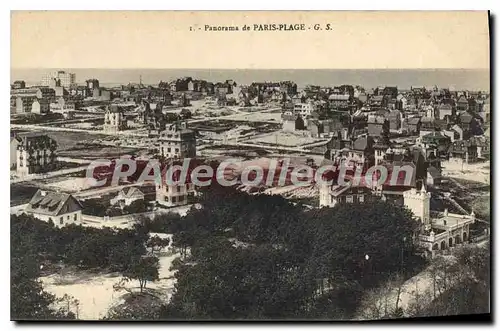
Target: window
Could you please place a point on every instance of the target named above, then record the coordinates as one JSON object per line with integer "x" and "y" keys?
{"x": 75, "y": 217}
{"x": 349, "y": 198}
{"x": 361, "y": 198}
{"x": 67, "y": 218}
{"x": 166, "y": 199}
{"x": 174, "y": 199}
{"x": 168, "y": 149}
{"x": 178, "y": 188}
{"x": 181, "y": 198}
{"x": 177, "y": 150}
{"x": 61, "y": 220}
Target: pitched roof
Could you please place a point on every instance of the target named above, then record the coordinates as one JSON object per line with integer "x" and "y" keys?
{"x": 434, "y": 172}
{"x": 362, "y": 143}
{"x": 52, "y": 203}
{"x": 131, "y": 192}
{"x": 414, "y": 120}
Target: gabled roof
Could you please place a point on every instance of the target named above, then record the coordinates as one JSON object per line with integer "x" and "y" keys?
{"x": 131, "y": 192}
{"x": 52, "y": 203}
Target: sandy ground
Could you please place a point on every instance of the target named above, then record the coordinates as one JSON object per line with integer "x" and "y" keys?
{"x": 87, "y": 125}
{"x": 257, "y": 117}
{"x": 284, "y": 139}
{"x": 72, "y": 184}
{"x": 95, "y": 292}
{"x": 479, "y": 172}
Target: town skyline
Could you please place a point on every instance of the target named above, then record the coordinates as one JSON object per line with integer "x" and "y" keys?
{"x": 469, "y": 79}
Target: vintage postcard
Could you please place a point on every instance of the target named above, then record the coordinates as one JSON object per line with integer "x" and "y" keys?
{"x": 175, "y": 165}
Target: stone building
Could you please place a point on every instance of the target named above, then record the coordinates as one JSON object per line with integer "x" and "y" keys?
{"x": 114, "y": 120}
{"x": 35, "y": 154}
{"x": 177, "y": 141}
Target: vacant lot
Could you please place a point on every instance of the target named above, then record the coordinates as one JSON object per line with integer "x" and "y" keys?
{"x": 280, "y": 138}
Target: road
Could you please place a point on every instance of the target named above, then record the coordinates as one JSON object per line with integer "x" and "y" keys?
{"x": 48, "y": 174}
{"x": 234, "y": 117}
{"x": 96, "y": 132}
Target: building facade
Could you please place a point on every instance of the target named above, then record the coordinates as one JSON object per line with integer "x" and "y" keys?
{"x": 59, "y": 78}
{"x": 171, "y": 195}
{"x": 114, "y": 120}
{"x": 177, "y": 141}
{"x": 35, "y": 154}
{"x": 60, "y": 208}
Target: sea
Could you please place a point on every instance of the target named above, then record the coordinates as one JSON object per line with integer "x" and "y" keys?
{"x": 455, "y": 79}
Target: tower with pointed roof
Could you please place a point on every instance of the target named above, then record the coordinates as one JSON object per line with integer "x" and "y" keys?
{"x": 418, "y": 201}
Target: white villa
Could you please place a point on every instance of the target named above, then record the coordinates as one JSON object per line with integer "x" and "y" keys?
{"x": 61, "y": 208}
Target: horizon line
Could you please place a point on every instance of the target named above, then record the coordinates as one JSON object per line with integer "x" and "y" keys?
{"x": 160, "y": 68}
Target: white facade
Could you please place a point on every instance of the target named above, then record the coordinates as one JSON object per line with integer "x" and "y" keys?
{"x": 304, "y": 109}
{"x": 419, "y": 203}
{"x": 63, "y": 219}
{"x": 114, "y": 121}
{"x": 174, "y": 195}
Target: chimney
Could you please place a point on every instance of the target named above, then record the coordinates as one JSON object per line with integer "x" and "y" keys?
{"x": 446, "y": 212}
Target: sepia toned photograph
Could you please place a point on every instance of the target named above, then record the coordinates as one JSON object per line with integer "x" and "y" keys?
{"x": 250, "y": 166}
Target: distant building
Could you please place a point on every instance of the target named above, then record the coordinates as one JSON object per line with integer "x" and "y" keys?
{"x": 463, "y": 151}
{"x": 377, "y": 126}
{"x": 35, "y": 154}
{"x": 175, "y": 194}
{"x": 292, "y": 122}
{"x": 330, "y": 196}
{"x": 40, "y": 106}
{"x": 60, "y": 208}
{"x": 177, "y": 141}
{"x": 66, "y": 79}
{"x": 413, "y": 125}
{"x": 92, "y": 84}
{"x": 339, "y": 101}
{"x": 24, "y": 103}
{"x": 114, "y": 120}
{"x": 304, "y": 110}
{"x": 14, "y": 142}
{"x": 444, "y": 110}
{"x": 127, "y": 196}
{"x": 18, "y": 84}
{"x": 462, "y": 104}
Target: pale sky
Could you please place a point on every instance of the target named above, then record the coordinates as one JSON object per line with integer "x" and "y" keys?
{"x": 154, "y": 39}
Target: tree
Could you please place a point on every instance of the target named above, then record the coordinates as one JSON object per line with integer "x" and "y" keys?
{"x": 156, "y": 244}
{"x": 269, "y": 258}
{"x": 143, "y": 269}
{"x": 136, "y": 306}
{"x": 463, "y": 284}
{"x": 251, "y": 282}
{"x": 28, "y": 299}
{"x": 136, "y": 207}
